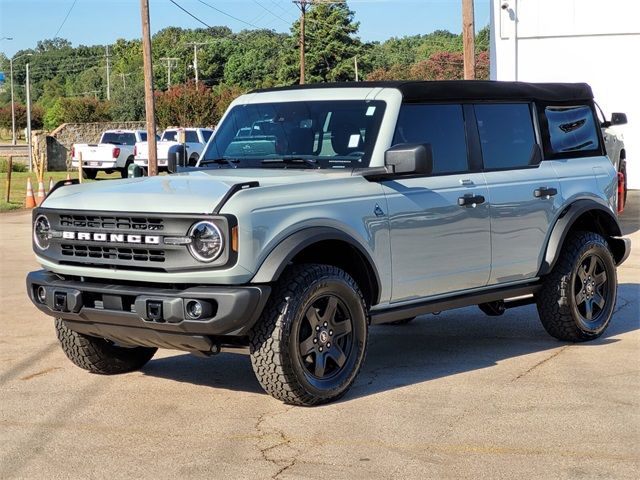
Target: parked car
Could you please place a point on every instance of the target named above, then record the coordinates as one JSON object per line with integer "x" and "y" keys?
{"x": 114, "y": 152}
{"x": 352, "y": 205}
{"x": 614, "y": 142}
{"x": 194, "y": 141}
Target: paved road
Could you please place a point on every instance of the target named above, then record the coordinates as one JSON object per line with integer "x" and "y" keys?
{"x": 459, "y": 395}
{"x": 18, "y": 150}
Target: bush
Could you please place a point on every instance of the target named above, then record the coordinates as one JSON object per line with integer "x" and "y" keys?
{"x": 16, "y": 167}
{"x": 21, "y": 116}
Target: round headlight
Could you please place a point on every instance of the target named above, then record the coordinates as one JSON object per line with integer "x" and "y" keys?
{"x": 206, "y": 241}
{"x": 42, "y": 232}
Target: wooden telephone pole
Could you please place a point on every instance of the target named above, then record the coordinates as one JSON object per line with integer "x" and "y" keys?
{"x": 149, "y": 101}
{"x": 302, "y": 5}
{"x": 468, "y": 40}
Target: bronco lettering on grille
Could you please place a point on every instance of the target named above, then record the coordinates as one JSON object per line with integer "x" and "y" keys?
{"x": 112, "y": 237}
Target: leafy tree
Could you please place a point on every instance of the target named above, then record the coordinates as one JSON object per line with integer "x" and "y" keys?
{"x": 54, "y": 116}
{"x": 21, "y": 116}
{"x": 331, "y": 44}
{"x": 127, "y": 105}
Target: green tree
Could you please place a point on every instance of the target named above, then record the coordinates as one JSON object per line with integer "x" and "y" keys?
{"x": 331, "y": 43}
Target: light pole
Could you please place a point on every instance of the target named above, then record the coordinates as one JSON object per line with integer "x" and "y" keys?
{"x": 13, "y": 105}
{"x": 29, "y": 120}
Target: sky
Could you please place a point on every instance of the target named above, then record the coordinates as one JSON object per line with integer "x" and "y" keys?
{"x": 90, "y": 22}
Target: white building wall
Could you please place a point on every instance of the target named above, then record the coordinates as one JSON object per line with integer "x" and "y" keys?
{"x": 593, "y": 41}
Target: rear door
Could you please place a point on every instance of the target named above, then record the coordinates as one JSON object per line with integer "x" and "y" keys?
{"x": 438, "y": 245}
{"x": 523, "y": 190}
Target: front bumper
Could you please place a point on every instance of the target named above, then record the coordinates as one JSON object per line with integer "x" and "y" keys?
{"x": 149, "y": 316}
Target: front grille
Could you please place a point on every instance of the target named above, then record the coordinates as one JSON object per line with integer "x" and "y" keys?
{"x": 100, "y": 222}
{"x": 113, "y": 253}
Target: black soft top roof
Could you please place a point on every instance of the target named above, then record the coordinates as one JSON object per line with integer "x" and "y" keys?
{"x": 417, "y": 91}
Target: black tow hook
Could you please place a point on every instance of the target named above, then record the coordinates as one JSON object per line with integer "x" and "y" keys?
{"x": 60, "y": 301}
{"x": 154, "y": 311}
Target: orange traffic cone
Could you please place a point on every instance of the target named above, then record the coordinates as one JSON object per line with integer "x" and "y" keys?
{"x": 50, "y": 183}
{"x": 40, "y": 196}
{"x": 30, "y": 201}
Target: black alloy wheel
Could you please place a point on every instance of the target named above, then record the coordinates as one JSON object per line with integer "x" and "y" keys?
{"x": 591, "y": 291}
{"x": 325, "y": 338}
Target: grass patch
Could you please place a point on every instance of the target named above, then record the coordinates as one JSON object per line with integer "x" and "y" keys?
{"x": 19, "y": 186}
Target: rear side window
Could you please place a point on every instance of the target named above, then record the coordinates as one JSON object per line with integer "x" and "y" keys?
{"x": 206, "y": 134}
{"x": 506, "y": 135}
{"x": 440, "y": 125}
{"x": 143, "y": 136}
{"x": 191, "y": 136}
{"x": 571, "y": 129}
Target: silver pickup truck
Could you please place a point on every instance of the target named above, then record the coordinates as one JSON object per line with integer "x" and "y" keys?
{"x": 317, "y": 212}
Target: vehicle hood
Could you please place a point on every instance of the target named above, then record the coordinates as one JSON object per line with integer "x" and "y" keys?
{"x": 190, "y": 192}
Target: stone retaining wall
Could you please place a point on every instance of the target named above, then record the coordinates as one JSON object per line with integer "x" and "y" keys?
{"x": 60, "y": 141}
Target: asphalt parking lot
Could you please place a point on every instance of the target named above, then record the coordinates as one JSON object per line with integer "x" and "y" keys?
{"x": 459, "y": 395}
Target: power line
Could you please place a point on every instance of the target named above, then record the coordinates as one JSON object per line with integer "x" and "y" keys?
{"x": 65, "y": 19}
{"x": 228, "y": 14}
{"x": 190, "y": 14}
{"x": 271, "y": 12}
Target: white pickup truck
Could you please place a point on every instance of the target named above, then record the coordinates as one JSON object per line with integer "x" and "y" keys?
{"x": 113, "y": 152}
{"x": 195, "y": 139}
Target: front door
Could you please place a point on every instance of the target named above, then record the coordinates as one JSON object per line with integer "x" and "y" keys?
{"x": 440, "y": 229}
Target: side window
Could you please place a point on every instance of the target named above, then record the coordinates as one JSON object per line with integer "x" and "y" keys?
{"x": 506, "y": 134}
{"x": 440, "y": 125}
{"x": 571, "y": 129}
{"x": 191, "y": 136}
{"x": 206, "y": 134}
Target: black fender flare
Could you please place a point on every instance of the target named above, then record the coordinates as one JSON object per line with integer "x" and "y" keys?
{"x": 609, "y": 227}
{"x": 278, "y": 259}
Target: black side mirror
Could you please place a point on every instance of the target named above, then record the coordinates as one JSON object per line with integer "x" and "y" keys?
{"x": 175, "y": 158}
{"x": 409, "y": 158}
{"x": 618, "y": 118}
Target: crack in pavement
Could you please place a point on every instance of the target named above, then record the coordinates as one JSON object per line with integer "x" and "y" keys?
{"x": 541, "y": 362}
{"x": 279, "y": 438}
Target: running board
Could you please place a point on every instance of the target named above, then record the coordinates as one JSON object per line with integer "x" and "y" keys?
{"x": 400, "y": 312}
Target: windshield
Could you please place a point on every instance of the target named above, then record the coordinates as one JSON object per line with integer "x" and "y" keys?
{"x": 321, "y": 134}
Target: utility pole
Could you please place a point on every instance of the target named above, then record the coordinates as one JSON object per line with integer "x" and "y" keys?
{"x": 302, "y": 5}
{"x": 170, "y": 61}
{"x": 355, "y": 64}
{"x": 149, "y": 101}
{"x": 468, "y": 40}
{"x": 195, "y": 57}
{"x": 124, "y": 80}
{"x": 108, "y": 76}
{"x": 28, "y": 86}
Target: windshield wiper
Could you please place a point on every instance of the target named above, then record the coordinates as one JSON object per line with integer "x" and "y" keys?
{"x": 220, "y": 161}
{"x": 292, "y": 161}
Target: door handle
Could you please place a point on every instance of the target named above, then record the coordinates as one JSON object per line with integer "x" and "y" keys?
{"x": 470, "y": 200}
{"x": 544, "y": 192}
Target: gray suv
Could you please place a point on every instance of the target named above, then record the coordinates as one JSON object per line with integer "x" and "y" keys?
{"x": 316, "y": 212}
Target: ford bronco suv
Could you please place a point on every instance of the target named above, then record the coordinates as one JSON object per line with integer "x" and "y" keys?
{"x": 318, "y": 211}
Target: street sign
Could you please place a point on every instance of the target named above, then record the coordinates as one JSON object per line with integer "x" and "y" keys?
{"x": 2, "y": 78}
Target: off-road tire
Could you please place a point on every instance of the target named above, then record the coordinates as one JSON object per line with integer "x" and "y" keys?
{"x": 556, "y": 301}
{"x": 98, "y": 355}
{"x": 274, "y": 340}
